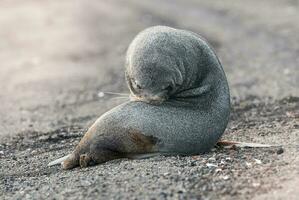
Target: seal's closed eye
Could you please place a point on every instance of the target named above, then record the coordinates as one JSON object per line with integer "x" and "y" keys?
{"x": 169, "y": 89}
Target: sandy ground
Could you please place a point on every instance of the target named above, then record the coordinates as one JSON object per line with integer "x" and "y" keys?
{"x": 57, "y": 55}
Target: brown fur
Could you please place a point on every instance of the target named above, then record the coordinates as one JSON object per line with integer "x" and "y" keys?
{"x": 143, "y": 143}
{"x": 84, "y": 155}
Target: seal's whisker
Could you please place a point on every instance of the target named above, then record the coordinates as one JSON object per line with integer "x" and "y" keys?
{"x": 120, "y": 98}
{"x": 117, "y": 93}
{"x": 102, "y": 94}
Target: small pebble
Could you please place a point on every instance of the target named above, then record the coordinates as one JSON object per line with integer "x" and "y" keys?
{"x": 280, "y": 150}
{"x": 212, "y": 159}
{"x": 218, "y": 170}
{"x": 101, "y": 94}
{"x": 258, "y": 161}
{"x": 211, "y": 165}
{"x": 256, "y": 184}
{"x": 228, "y": 159}
{"x": 248, "y": 164}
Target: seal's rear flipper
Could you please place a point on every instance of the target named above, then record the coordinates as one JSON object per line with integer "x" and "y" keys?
{"x": 58, "y": 161}
{"x": 226, "y": 143}
{"x": 68, "y": 162}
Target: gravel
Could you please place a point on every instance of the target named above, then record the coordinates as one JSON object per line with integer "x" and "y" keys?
{"x": 224, "y": 173}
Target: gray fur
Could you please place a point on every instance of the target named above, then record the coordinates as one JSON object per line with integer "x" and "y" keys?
{"x": 197, "y": 110}
{"x": 182, "y": 99}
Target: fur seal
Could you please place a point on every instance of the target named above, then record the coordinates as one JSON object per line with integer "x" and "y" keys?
{"x": 180, "y": 102}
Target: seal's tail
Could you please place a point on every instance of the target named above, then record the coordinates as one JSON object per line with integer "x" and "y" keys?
{"x": 68, "y": 162}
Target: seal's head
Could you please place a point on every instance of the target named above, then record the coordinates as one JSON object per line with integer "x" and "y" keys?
{"x": 153, "y": 66}
{"x": 153, "y": 76}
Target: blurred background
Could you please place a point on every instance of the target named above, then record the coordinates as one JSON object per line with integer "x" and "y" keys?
{"x": 56, "y": 55}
